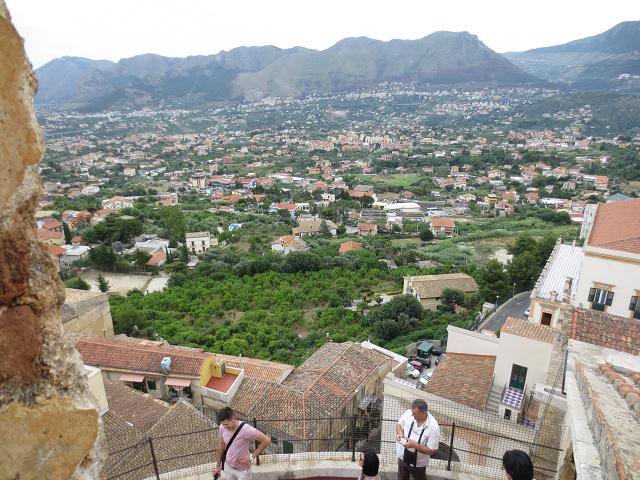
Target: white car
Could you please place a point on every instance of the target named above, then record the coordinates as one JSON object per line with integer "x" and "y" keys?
{"x": 425, "y": 377}
{"x": 526, "y": 312}
{"x": 413, "y": 372}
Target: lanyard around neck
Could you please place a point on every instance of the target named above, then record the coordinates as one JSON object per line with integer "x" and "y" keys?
{"x": 411, "y": 429}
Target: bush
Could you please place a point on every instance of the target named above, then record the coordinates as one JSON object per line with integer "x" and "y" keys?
{"x": 77, "y": 283}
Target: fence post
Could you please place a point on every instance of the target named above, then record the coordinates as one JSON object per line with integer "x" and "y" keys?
{"x": 255, "y": 425}
{"x": 153, "y": 458}
{"x": 453, "y": 432}
{"x": 353, "y": 438}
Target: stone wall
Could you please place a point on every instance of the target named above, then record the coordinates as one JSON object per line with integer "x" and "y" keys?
{"x": 87, "y": 313}
{"x": 49, "y": 425}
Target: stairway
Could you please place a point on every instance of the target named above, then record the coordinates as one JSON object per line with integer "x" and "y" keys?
{"x": 493, "y": 401}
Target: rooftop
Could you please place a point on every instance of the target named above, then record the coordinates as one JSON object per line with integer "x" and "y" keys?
{"x": 565, "y": 261}
{"x": 222, "y": 384}
{"x": 617, "y": 226}
{"x": 605, "y": 330}
{"x": 533, "y": 331}
{"x": 431, "y": 286}
{"x": 473, "y": 376}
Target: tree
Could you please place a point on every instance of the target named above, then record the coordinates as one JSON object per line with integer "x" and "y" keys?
{"x": 103, "y": 284}
{"x": 126, "y": 318}
{"x": 172, "y": 219}
{"x": 451, "y": 297}
{"x": 103, "y": 258}
{"x": 67, "y": 233}
{"x": 397, "y": 317}
{"x": 524, "y": 269}
{"x": 77, "y": 283}
{"x": 493, "y": 281}
{"x": 324, "y": 229}
{"x": 140, "y": 259}
{"x": 426, "y": 235}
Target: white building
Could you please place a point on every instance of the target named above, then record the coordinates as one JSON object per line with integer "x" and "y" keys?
{"x": 549, "y": 292}
{"x": 117, "y": 203}
{"x": 610, "y": 275}
{"x": 198, "y": 242}
{"x": 523, "y": 355}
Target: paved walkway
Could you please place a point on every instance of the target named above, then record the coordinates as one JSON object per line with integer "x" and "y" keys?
{"x": 514, "y": 307}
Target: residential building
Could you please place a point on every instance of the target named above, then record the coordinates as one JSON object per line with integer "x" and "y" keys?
{"x": 443, "y": 227}
{"x": 366, "y": 229}
{"x": 58, "y": 253}
{"x": 198, "y": 242}
{"x": 174, "y": 373}
{"x": 117, "y": 203}
{"x": 428, "y": 288}
{"x": 288, "y": 243}
{"x": 313, "y": 227}
{"x": 323, "y": 394}
{"x": 349, "y": 246}
{"x": 51, "y": 237}
{"x": 610, "y": 275}
{"x": 100, "y": 215}
{"x": 550, "y": 290}
{"x": 522, "y": 356}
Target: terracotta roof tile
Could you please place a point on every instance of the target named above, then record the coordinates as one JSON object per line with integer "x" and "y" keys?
{"x": 442, "y": 222}
{"x": 431, "y": 286}
{"x": 140, "y": 355}
{"x": 606, "y": 330}
{"x": 522, "y": 328}
{"x": 139, "y": 409}
{"x": 617, "y": 226}
{"x": 463, "y": 378}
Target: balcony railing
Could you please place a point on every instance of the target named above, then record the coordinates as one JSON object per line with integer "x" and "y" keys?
{"x": 474, "y": 451}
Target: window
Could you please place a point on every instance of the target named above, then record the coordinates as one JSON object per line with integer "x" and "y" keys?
{"x": 634, "y": 306}
{"x": 151, "y": 384}
{"x": 546, "y": 318}
{"x": 518, "y": 377}
{"x": 507, "y": 414}
{"x": 287, "y": 447}
{"x": 600, "y": 299}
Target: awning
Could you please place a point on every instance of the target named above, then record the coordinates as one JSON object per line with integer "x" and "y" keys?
{"x": 131, "y": 377}
{"x": 177, "y": 382}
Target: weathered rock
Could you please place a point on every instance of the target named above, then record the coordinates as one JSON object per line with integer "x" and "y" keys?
{"x": 21, "y": 346}
{"x": 49, "y": 425}
{"x": 45, "y": 441}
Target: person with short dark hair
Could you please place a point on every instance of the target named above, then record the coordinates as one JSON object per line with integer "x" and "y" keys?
{"x": 237, "y": 460}
{"x": 370, "y": 465}
{"x": 417, "y": 437}
{"x": 518, "y": 465}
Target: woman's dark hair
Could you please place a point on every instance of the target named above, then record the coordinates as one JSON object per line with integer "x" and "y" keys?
{"x": 518, "y": 465}
{"x": 371, "y": 464}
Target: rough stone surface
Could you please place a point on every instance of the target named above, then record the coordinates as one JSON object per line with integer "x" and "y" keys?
{"x": 20, "y": 336}
{"x": 46, "y": 441}
{"x": 42, "y": 384}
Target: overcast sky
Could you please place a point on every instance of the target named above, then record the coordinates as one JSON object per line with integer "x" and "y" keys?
{"x": 114, "y": 29}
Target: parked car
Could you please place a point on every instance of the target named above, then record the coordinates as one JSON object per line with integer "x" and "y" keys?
{"x": 425, "y": 377}
{"x": 412, "y": 372}
{"x": 417, "y": 364}
{"x": 437, "y": 351}
{"x": 526, "y": 312}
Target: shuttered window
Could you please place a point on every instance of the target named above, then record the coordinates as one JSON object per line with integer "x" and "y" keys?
{"x": 634, "y": 306}
{"x": 600, "y": 298}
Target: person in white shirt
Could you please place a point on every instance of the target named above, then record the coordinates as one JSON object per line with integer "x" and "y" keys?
{"x": 417, "y": 438}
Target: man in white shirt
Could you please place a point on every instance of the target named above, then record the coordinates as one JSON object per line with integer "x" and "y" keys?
{"x": 417, "y": 438}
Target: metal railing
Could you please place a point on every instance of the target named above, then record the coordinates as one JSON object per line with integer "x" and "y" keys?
{"x": 462, "y": 447}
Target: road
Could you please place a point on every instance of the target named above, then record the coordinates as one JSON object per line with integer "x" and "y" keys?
{"x": 514, "y": 307}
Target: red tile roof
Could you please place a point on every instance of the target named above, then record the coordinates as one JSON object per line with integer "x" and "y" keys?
{"x": 157, "y": 258}
{"x": 606, "y": 330}
{"x": 56, "y": 250}
{"x": 49, "y": 235}
{"x": 522, "y": 328}
{"x": 52, "y": 225}
{"x": 139, "y": 355}
{"x": 317, "y": 389}
{"x": 442, "y": 222}
{"x": 349, "y": 246}
{"x": 463, "y": 378}
{"x": 617, "y": 226}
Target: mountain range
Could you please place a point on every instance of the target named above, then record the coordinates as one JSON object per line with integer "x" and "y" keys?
{"x": 610, "y": 61}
